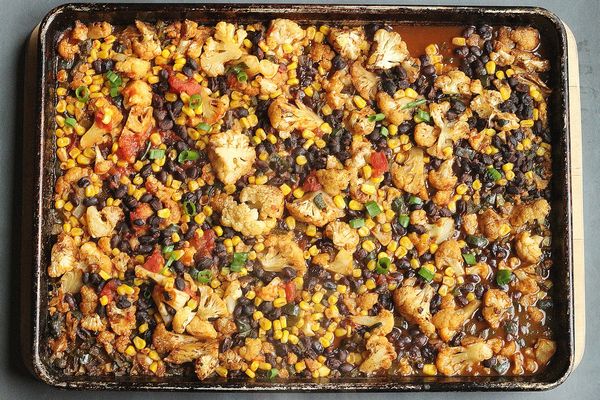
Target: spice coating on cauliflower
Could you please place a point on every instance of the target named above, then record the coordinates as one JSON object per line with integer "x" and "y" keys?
{"x": 413, "y": 303}
{"x": 410, "y": 174}
{"x": 450, "y": 320}
{"x": 528, "y": 247}
{"x": 283, "y": 32}
{"x": 389, "y": 51}
{"x": 365, "y": 82}
{"x": 223, "y": 47}
{"x": 381, "y": 355}
{"x": 496, "y": 304}
{"x": 349, "y": 42}
{"x": 282, "y": 251}
{"x": 315, "y": 208}
{"x": 342, "y": 235}
{"x": 286, "y": 117}
{"x": 231, "y": 156}
{"x": 460, "y": 360}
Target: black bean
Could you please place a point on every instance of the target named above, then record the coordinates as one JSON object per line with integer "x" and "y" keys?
{"x": 428, "y": 70}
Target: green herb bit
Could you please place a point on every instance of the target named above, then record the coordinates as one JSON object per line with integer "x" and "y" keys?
{"x": 373, "y": 208}
{"x": 383, "y": 266}
{"x": 403, "y": 220}
{"x": 469, "y": 258}
{"x": 426, "y": 274}
{"x": 82, "y": 93}
{"x": 356, "y": 223}
{"x": 503, "y": 277}
{"x": 188, "y": 155}
{"x": 190, "y": 208}
{"x": 156, "y": 154}
{"x": 195, "y": 101}
{"x": 319, "y": 201}
{"x": 203, "y": 126}
{"x": 377, "y": 117}
{"x": 414, "y": 104}
{"x": 239, "y": 260}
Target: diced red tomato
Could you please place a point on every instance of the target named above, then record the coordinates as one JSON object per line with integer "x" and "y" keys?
{"x": 190, "y": 86}
{"x": 311, "y": 183}
{"x": 155, "y": 261}
{"x": 109, "y": 289}
{"x": 130, "y": 143}
{"x": 290, "y": 291}
{"x": 205, "y": 243}
{"x": 379, "y": 163}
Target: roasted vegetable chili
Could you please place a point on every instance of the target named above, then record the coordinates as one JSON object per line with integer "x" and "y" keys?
{"x": 282, "y": 201}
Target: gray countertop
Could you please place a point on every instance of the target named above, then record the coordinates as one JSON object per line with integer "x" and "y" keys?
{"x": 18, "y": 18}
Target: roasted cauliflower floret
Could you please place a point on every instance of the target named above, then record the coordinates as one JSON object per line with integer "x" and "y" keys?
{"x": 349, "y": 42}
{"x": 342, "y": 235}
{"x": 528, "y": 247}
{"x": 281, "y": 251}
{"x": 443, "y": 178}
{"x": 450, "y": 132}
{"x": 63, "y": 257}
{"x": 333, "y": 180}
{"x": 102, "y": 223}
{"x": 410, "y": 174}
{"x": 192, "y": 351}
{"x": 99, "y": 30}
{"x": 381, "y": 324}
{"x": 450, "y": 320}
{"x": 544, "y": 350}
{"x": 486, "y": 104}
{"x": 92, "y": 323}
{"x": 359, "y": 122}
{"x": 199, "y": 328}
{"x": 268, "y": 200}
{"x": 210, "y": 305}
{"x": 122, "y": 321}
{"x": 315, "y": 208}
{"x": 133, "y": 67}
{"x": 389, "y": 50}
{"x": 148, "y": 46}
{"x": 454, "y": 83}
{"x": 365, "y": 82}
{"x": 283, "y": 32}
{"x": 381, "y": 355}
{"x": 526, "y": 38}
{"x": 207, "y": 362}
{"x": 412, "y": 302}
{"x": 90, "y": 254}
{"x": 137, "y": 93}
{"x": 425, "y": 135}
{"x": 490, "y": 224}
{"x": 244, "y": 219}
{"x": 460, "y": 360}
{"x": 496, "y": 304}
{"x": 449, "y": 254}
{"x": 286, "y": 117}
{"x": 266, "y": 68}
{"x": 526, "y": 213}
{"x": 232, "y": 294}
{"x": 231, "y": 156}
{"x": 223, "y": 47}
{"x": 395, "y": 111}
{"x": 165, "y": 341}
{"x": 441, "y": 230}
{"x": 343, "y": 263}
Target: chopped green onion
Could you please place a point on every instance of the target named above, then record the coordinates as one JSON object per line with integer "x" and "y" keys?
{"x": 203, "y": 276}
{"x": 169, "y": 261}
{"x": 272, "y": 373}
{"x": 403, "y": 220}
{"x": 156, "y": 154}
{"x": 242, "y": 76}
{"x": 373, "y": 209}
{"x": 168, "y": 249}
{"x": 190, "y": 208}
{"x": 114, "y": 92}
{"x": 423, "y": 115}
{"x": 236, "y": 69}
{"x": 469, "y": 258}
{"x": 112, "y": 77}
{"x": 239, "y": 259}
{"x": 203, "y": 126}
{"x": 319, "y": 201}
{"x": 188, "y": 155}
{"x": 82, "y": 93}
{"x": 195, "y": 101}
{"x": 426, "y": 274}
{"x": 503, "y": 277}
{"x": 477, "y": 241}
{"x": 384, "y": 131}
{"x": 356, "y": 223}
{"x": 414, "y": 104}
{"x": 376, "y": 117}
{"x": 414, "y": 200}
{"x": 494, "y": 173}
{"x": 72, "y": 122}
{"x": 383, "y": 265}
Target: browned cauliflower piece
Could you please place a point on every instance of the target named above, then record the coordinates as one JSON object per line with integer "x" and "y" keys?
{"x": 395, "y": 111}
{"x": 525, "y": 213}
{"x": 450, "y": 320}
{"x": 359, "y": 123}
{"x": 99, "y": 30}
{"x": 122, "y": 321}
{"x": 441, "y": 230}
{"x": 283, "y": 32}
{"x": 443, "y": 178}
{"x": 389, "y": 50}
{"x": 223, "y": 47}
{"x": 266, "y": 68}
{"x": 526, "y": 38}
{"x": 496, "y": 304}
{"x": 544, "y": 350}
{"x": 92, "y": 323}
{"x": 149, "y": 46}
{"x": 365, "y": 82}
{"x": 205, "y": 365}
{"x": 192, "y": 351}
{"x": 470, "y": 223}
{"x": 349, "y": 42}
{"x": 486, "y": 104}
{"x": 410, "y": 174}
{"x": 270, "y": 291}
{"x": 367, "y": 300}
{"x": 412, "y": 302}
{"x": 63, "y": 257}
{"x": 527, "y": 281}
{"x": 182, "y": 318}
{"x": 425, "y": 135}
{"x": 286, "y": 117}
{"x": 168, "y": 296}
{"x": 268, "y": 200}
{"x": 231, "y": 156}
{"x": 315, "y": 208}
{"x": 334, "y": 178}
{"x": 165, "y": 341}
{"x": 210, "y": 304}
{"x": 281, "y": 251}
{"x": 102, "y": 223}
{"x": 490, "y": 223}
{"x": 460, "y": 360}
{"x": 336, "y": 89}
{"x": 380, "y": 324}
{"x": 201, "y": 329}
{"x": 454, "y": 83}
{"x": 450, "y": 132}
{"x": 381, "y": 355}
{"x": 133, "y": 67}
{"x": 342, "y": 264}
{"x": 342, "y": 235}
{"x": 232, "y": 294}
{"x": 528, "y": 247}
{"x": 137, "y": 93}
{"x": 449, "y": 254}
{"x": 89, "y": 254}
{"x": 322, "y": 54}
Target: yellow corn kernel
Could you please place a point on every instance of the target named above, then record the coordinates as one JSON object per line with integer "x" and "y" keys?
{"x": 290, "y": 222}
{"x": 311, "y": 230}
{"x": 500, "y": 74}
{"x": 429, "y": 369}
{"x": 368, "y": 245}
{"x": 359, "y": 101}
{"x": 476, "y": 184}
{"x": 279, "y": 302}
{"x": 470, "y": 296}
{"x": 505, "y": 92}
{"x": 250, "y": 373}
{"x": 368, "y": 189}
{"x": 410, "y": 92}
{"x": 124, "y": 290}
{"x": 326, "y": 110}
{"x": 130, "y": 351}
{"x": 355, "y": 205}
{"x": 526, "y": 123}
{"x": 301, "y": 160}
{"x": 326, "y": 128}
{"x": 443, "y": 290}
{"x": 164, "y": 213}
{"x": 504, "y": 229}
{"x": 459, "y": 41}
{"x": 339, "y": 201}
{"x": 139, "y": 343}
{"x": 490, "y": 67}
{"x": 298, "y": 192}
